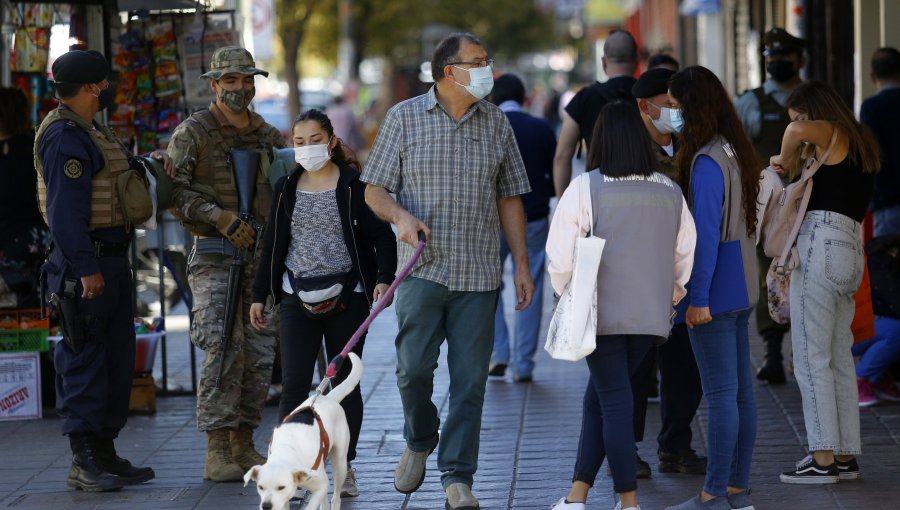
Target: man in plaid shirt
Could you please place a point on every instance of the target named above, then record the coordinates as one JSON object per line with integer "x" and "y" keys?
{"x": 452, "y": 162}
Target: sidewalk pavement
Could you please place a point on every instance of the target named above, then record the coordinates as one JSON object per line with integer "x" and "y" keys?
{"x": 528, "y": 442}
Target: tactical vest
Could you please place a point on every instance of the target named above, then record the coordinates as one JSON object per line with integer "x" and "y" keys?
{"x": 774, "y": 119}
{"x": 213, "y": 176}
{"x": 666, "y": 164}
{"x": 106, "y": 206}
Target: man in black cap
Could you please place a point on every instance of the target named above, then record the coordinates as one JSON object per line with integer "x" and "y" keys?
{"x": 765, "y": 118}
{"x": 90, "y": 208}
{"x": 680, "y": 390}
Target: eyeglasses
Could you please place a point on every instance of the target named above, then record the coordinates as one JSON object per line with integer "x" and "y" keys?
{"x": 478, "y": 63}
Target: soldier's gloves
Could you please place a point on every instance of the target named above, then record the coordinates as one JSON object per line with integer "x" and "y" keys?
{"x": 238, "y": 232}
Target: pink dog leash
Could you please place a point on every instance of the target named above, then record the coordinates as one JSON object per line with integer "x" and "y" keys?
{"x": 338, "y": 360}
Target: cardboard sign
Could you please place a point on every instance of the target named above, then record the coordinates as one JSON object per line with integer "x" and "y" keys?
{"x": 20, "y": 386}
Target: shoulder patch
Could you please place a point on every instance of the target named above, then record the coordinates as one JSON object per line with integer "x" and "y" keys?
{"x": 73, "y": 169}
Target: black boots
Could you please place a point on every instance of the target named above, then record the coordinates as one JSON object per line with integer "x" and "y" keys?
{"x": 86, "y": 473}
{"x": 772, "y": 370}
{"x": 106, "y": 457}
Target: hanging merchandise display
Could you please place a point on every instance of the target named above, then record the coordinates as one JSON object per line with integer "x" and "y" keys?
{"x": 29, "y": 50}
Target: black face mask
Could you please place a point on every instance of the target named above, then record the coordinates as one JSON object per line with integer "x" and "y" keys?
{"x": 107, "y": 98}
{"x": 781, "y": 70}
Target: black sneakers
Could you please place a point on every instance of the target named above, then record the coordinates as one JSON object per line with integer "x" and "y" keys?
{"x": 809, "y": 472}
{"x": 497, "y": 370}
{"x": 688, "y": 463}
{"x": 847, "y": 470}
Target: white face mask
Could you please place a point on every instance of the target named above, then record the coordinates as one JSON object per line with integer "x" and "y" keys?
{"x": 664, "y": 123}
{"x": 312, "y": 157}
{"x": 481, "y": 81}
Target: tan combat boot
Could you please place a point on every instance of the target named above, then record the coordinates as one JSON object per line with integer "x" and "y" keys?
{"x": 220, "y": 467}
{"x": 242, "y": 450}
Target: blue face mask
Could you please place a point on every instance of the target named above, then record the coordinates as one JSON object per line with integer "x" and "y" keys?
{"x": 676, "y": 119}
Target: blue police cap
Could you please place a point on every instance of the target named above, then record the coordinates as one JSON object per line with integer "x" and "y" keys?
{"x": 78, "y": 66}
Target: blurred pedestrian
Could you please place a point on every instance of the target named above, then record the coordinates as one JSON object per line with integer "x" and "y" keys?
{"x": 206, "y": 202}
{"x": 24, "y": 237}
{"x": 345, "y": 123}
{"x": 828, "y": 274}
{"x": 876, "y": 356}
{"x": 452, "y": 160}
{"x": 764, "y": 115}
{"x": 664, "y": 61}
{"x": 80, "y": 165}
{"x": 880, "y": 113}
{"x": 720, "y": 172}
{"x": 679, "y": 387}
{"x": 330, "y": 258}
{"x": 619, "y": 61}
{"x": 645, "y": 265}
{"x": 537, "y": 144}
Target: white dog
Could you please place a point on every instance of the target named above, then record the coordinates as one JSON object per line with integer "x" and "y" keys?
{"x": 315, "y": 430}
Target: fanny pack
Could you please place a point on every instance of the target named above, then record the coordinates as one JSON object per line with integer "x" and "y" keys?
{"x": 326, "y": 295}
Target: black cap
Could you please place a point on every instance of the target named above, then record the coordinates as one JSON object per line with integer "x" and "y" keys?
{"x": 78, "y": 66}
{"x": 652, "y": 83}
{"x": 779, "y": 42}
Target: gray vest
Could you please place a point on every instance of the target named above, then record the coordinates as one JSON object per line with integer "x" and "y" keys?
{"x": 639, "y": 217}
{"x": 734, "y": 225}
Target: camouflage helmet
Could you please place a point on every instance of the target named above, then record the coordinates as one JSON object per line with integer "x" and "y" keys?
{"x": 232, "y": 59}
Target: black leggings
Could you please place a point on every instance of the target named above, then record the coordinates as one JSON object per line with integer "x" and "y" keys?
{"x": 301, "y": 338}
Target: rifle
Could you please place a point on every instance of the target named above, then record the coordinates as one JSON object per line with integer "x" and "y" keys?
{"x": 245, "y": 168}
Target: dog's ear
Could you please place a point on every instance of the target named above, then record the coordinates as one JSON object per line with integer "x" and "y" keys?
{"x": 300, "y": 476}
{"x": 251, "y": 474}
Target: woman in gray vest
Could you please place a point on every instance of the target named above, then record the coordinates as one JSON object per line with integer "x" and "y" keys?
{"x": 646, "y": 263}
{"x": 719, "y": 169}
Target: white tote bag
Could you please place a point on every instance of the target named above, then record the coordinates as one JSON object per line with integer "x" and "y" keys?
{"x": 573, "y": 327}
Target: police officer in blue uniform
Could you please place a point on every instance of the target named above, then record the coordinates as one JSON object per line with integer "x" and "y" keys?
{"x": 82, "y": 190}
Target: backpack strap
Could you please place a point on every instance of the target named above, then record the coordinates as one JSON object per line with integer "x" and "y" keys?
{"x": 805, "y": 177}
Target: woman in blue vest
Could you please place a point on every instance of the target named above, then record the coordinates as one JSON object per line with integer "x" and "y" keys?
{"x": 719, "y": 170}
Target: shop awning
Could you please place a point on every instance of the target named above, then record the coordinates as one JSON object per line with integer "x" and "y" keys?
{"x": 156, "y": 5}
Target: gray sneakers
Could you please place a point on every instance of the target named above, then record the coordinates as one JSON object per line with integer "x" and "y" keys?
{"x": 459, "y": 497}
{"x": 350, "y": 489}
{"x": 410, "y": 472}
{"x": 740, "y": 501}
{"x": 695, "y": 504}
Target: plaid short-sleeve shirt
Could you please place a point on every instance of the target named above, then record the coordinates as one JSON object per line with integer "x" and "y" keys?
{"x": 449, "y": 174}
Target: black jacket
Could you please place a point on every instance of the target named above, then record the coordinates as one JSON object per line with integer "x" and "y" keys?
{"x": 370, "y": 241}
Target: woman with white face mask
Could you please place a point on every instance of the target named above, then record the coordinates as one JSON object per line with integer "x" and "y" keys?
{"x": 326, "y": 258}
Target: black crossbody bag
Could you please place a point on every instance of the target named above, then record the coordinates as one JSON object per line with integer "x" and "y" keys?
{"x": 326, "y": 295}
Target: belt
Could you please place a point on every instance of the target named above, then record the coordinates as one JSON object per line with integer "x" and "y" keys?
{"x": 214, "y": 245}
{"x": 109, "y": 249}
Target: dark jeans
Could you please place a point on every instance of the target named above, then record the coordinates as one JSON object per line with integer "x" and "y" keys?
{"x": 93, "y": 387}
{"x": 301, "y": 338}
{"x": 606, "y": 429}
{"x": 680, "y": 391}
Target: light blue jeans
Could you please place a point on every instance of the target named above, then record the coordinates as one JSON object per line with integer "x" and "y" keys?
{"x": 822, "y": 287}
{"x": 722, "y": 350}
{"x": 528, "y": 321}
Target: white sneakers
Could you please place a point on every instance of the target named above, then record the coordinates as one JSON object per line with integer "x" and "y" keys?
{"x": 562, "y": 505}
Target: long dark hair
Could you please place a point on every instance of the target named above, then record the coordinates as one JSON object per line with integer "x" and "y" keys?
{"x": 620, "y": 144}
{"x": 342, "y": 153}
{"x": 708, "y": 111}
{"x": 819, "y": 101}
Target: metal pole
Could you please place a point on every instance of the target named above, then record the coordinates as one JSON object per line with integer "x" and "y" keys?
{"x": 161, "y": 247}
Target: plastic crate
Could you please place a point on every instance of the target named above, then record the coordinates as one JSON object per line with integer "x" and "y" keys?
{"x": 23, "y": 319}
{"x": 24, "y": 340}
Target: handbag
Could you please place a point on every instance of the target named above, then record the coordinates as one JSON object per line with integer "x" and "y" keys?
{"x": 573, "y": 327}
{"x": 323, "y": 296}
{"x": 781, "y": 225}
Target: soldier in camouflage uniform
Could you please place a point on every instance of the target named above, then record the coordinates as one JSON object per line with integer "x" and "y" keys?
{"x": 205, "y": 200}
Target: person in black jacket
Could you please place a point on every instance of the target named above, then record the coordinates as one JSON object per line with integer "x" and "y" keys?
{"x": 326, "y": 258}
